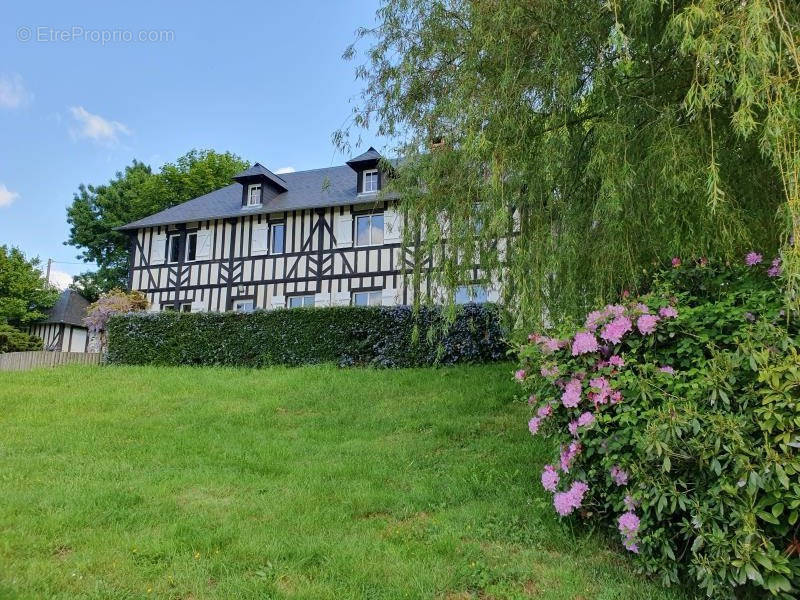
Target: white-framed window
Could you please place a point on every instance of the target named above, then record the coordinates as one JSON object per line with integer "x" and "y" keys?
{"x": 180, "y": 306}
{"x": 300, "y": 301}
{"x": 367, "y": 298}
{"x": 174, "y": 247}
{"x": 277, "y": 238}
{"x": 246, "y": 305}
{"x": 369, "y": 230}
{"x": 471, "y": 293}
{"x": 370, "y": 181}
{"x": 254, "y": 195}
{"x": 191, "y": 246}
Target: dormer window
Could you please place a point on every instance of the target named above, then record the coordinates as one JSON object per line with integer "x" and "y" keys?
{"x": 254, "y": 195}
{"x": 370, "y": 181}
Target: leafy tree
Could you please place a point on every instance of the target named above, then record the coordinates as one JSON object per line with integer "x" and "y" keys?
{"x": 13, "y": 340}
{"x": 133, "y": 194}
{"x": 25, "y": 296}
{"x": 608, "y": 135}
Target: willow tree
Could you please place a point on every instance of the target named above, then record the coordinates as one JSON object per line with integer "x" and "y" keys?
{"x": 600, "y": 138}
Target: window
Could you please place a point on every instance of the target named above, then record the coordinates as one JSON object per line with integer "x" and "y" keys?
{"x": 370, "y": 181}
{"x": 186, "y": 308}
{"x": 174, "y": 248}
{"x": 191, "y": 243}
{"x": 181, "y": 306}
{"x": 168, "y": 307}
{"x": 367, "y": 298}
{"x": 471, "y": 293}
{"x": 243, "y": 305}
{"x": 277, "y": 240}
{"x": 369, "y": 230}
{"x": 254, "y": 195}
{"x": 298, "y": 301}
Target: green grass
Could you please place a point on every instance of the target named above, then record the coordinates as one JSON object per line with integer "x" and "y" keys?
{"x": 284, "y": 483}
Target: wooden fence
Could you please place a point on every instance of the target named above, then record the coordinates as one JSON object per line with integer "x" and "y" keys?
{"x": 22, "y": 361}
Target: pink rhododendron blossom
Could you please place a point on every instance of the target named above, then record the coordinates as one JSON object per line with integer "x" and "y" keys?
{"x": 520, "y": 375}
{"x": 601, "y": 390}
{"x": 752, "y": 259}
{"x": 573, "y": 428}
{"x": 647, "y": 324}
{"x": 619, "y": 476}
{"x": 616, "y": 397}
{"x": 594, "y": 318}
{"x": 550, "y": 478}
{"x": 572, "y": 394}
{"x": 667, "y": 369}
{"x": 614, "y": 330}
{"x": 676, "y": 262}
{"x": 642, "y": 308}
{"x": 629, "y": 524}
{"x": 533, "y": 425}
{"x": 549, "y": 371}
{"x": 630, "y": 503}
{"x": 616, "y": 361}
{"x": 544, "y": 411}
{"x": 586, "y": 419}
{"x": 668, "y": 312}
{"x": 566, "y": 502}
{"x": 775, "y": 270}
{"x": 534, "y": 337}
{"x": 584, "y": 343}
{"x": 568, "y": 454}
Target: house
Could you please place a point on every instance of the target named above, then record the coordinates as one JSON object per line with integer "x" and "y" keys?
{"x": 63, "y": 330}
{"x": 322, "y": 237}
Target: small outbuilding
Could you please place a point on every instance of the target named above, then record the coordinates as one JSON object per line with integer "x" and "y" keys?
{"x": 64, "y": 330}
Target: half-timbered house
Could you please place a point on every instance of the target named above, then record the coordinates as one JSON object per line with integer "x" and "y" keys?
{"x": 322, "y": 237}
{"x": 64, "y": 330}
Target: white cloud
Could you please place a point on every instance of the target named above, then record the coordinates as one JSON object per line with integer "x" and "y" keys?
{"x": 12, "y": 92}
{"x": 6, "y": 196}
{"x": 95, "y": 127}
{"x": 283, "y": 170}
{"x": 60, "y": 279}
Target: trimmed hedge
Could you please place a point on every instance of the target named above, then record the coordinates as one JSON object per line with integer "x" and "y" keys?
{"x": 347, "y": 335}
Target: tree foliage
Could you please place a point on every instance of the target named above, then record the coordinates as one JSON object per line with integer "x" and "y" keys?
{"x": 25, "y": 296}
{"x": 608, "y": 136}
{"x": 14, "y": 340}
{"x": 133, "y": 194}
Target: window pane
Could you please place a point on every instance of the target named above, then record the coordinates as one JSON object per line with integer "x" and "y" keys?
{"x": 192, "y": 238}
{"x": 277, "y": 238}
{"x": 295, "y": 301}
{"x": 361, "y": 299}
{"x": 375, "y": 298}
{"x": 362, "y": 231}
{"x": 308, "y": 300}
{"x": 377, "y": 229}
{"x": 174, "y": 247}
{"x": 169, "y": 307}
{"x": 462, "y": 295}
{"x": 186, "y": 308}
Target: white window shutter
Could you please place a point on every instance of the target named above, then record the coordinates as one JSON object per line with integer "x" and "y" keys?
{"x": 344, "y": 231}
{"x": 260, "y": 239}
{"x": 322, "y": 299}
{"x": 389, "y": 297}
{"x": 278, "y": 302}
{"x": 392, "y": 226}
{"x": 342, "y": 298}
{"x": 203, "y": 246}
{"x": 159, "y": 249}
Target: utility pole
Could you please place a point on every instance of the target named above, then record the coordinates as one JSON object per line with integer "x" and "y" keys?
{"x": 49, "y": 262}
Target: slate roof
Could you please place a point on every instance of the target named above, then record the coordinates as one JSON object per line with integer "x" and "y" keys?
{"x": 260, "y": 170}
{"x": 70, "y": 308}
{"x": 317, "y": 188}
{"x": 370, "y": 155}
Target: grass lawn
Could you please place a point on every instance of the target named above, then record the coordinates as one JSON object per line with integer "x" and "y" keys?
{"x": 284, "y": 483}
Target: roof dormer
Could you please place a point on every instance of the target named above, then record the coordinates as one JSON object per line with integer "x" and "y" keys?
{"x": 259, "y": 185}
{"x": 370, "y": 178}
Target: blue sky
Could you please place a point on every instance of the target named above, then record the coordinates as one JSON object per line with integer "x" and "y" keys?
{"x": 262, "y": 79}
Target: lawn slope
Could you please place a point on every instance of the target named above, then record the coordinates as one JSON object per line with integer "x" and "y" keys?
{"x": 134, "y": 483}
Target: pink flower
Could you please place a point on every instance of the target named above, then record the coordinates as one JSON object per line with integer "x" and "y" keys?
{"x": 616, "y": 397}
{"x": 614, "y": 330}
{"x": 616, "y": 361}
{"x": 549, "y": 371}
{"x": 544, "y": 411}
{"x": 533, "y": 425}
{"x": 593, "y": 319}
{"x": 573, "y": 428}
{"x": 586, "y": 419}
{"x": 550, "y": 345}
{"x": 752, "y": 259}
{"x": 520, "y": 375}
{"x": 676, "y": 262}
{"x": 647, "y": 324}
{"x": 601, "y": 390}
{"x": 668, "y": 312}
{"x": 566, "y": 502}
{"x": 572, "y": 394}
{"x": 667, "y": 369}
{"x": 584, "y": 343}
{"x": 642, "y": 308}
{"x": 619, "y": 476}
{"x": 630, "y": 503}
{"x": 569, "y": 454}
{"x": 776, "y": 269}
{"x": 628, "y": 524}
{"x": 549, "y": 478}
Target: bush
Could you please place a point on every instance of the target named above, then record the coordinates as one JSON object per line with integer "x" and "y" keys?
{"x": 347, "y": 335}
{"x": 678, "y": 415}
{"x": 14, "y": 340}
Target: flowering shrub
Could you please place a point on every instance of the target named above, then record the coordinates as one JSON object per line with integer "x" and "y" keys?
{"x": 678, "y": 419}
{"x": 115, "y": 302}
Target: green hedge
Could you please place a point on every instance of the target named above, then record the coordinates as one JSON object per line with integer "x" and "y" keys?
{"x": 347, "y": 335}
